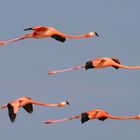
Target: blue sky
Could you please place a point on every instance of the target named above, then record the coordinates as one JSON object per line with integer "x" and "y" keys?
{"x": 24, "y": 64}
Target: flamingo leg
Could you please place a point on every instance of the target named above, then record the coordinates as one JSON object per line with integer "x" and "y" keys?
{"x": 61, "y": 120}
{"x": 65, "y": 70}
{"x": 2, "y": 43}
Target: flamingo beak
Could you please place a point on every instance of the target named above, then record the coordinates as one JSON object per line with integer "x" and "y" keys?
{"x": 96, "y": 34}
{"x": 67, "y": 103}
{"x": 28, "y": 29}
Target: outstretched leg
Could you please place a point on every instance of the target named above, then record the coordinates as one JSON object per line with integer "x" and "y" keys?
{"x": 61, "y": 120}
{"x": 65, "y": 70}
{"x": 2, "y": 43}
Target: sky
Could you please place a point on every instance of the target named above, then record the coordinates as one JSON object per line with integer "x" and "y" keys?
{"x": 24, "y": 66}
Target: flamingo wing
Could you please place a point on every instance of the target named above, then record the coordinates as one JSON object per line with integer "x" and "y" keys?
{"x": 117, "y": 61}
{"x": 28, "y": 108}
{"x": 59, "y": 38}
{"x": 11, "y": 113}
{"x": 84, "y": 117}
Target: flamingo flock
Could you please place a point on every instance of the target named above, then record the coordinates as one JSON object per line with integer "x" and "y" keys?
{"x": 98, "y": 63}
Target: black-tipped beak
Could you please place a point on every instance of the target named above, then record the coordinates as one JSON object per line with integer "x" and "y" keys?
{"x": 96, "y": 34}
{"x": 28, "y": 29}
{"x": 67, "y": 103}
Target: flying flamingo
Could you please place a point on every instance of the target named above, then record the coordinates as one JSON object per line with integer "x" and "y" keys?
{"x": 95, "y": 114}
{"x": 98, "y": 63}
{"x": 45, "y": 32}
{"x": 26, "y": 103}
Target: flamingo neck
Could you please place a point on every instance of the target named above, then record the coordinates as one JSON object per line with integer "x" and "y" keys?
{"x": 77, "y": 36}
{"x": 134, "y": 67}
{"x": 121, "y": 117}
{"x": 43, "y": 104}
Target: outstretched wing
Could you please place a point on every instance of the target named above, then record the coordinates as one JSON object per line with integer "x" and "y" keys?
{"x": 11, "y": 113}
{"x": 59, "y": 38}
{"x": 28, "y": 108}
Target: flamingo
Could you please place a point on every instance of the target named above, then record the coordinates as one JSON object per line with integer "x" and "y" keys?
{"x": 95, "y": 114}
{"x": 26, "y": 103}
{"x": 45, "y": 32}
{"x": 98, "y": 63}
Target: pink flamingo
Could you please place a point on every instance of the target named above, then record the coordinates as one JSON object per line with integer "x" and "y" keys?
{"x": 26, "y": 103}
{"x": 95, "y": 114}
{"x": 45, "y": 32}
{"x": 98, "y": 63}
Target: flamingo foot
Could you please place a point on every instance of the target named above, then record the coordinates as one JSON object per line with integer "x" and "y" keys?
{"x": 51, "y": 72}
{"x": 2, "y": 43}
{"x": 48, "y": 122}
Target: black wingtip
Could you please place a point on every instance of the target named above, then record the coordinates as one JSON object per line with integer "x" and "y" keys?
{"x": 59, "y": 38}
{"x": 27, "y": 29}
{"x": 11, "y": 113}
{"x": 96, "y": 34}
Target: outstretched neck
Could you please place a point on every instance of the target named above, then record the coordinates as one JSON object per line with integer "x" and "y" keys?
{"x": 134, "y": 67}
{"x": 43, "y": 104}
{"x": 127, "y": 67}
{"x": 81, "y": 36}
{"x": 122, "y": 117}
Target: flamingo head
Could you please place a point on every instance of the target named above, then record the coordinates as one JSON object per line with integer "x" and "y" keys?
{"x": 64, "y": 103}
{"x": 137, "y": 117}
{"x": 92, "y": 34}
